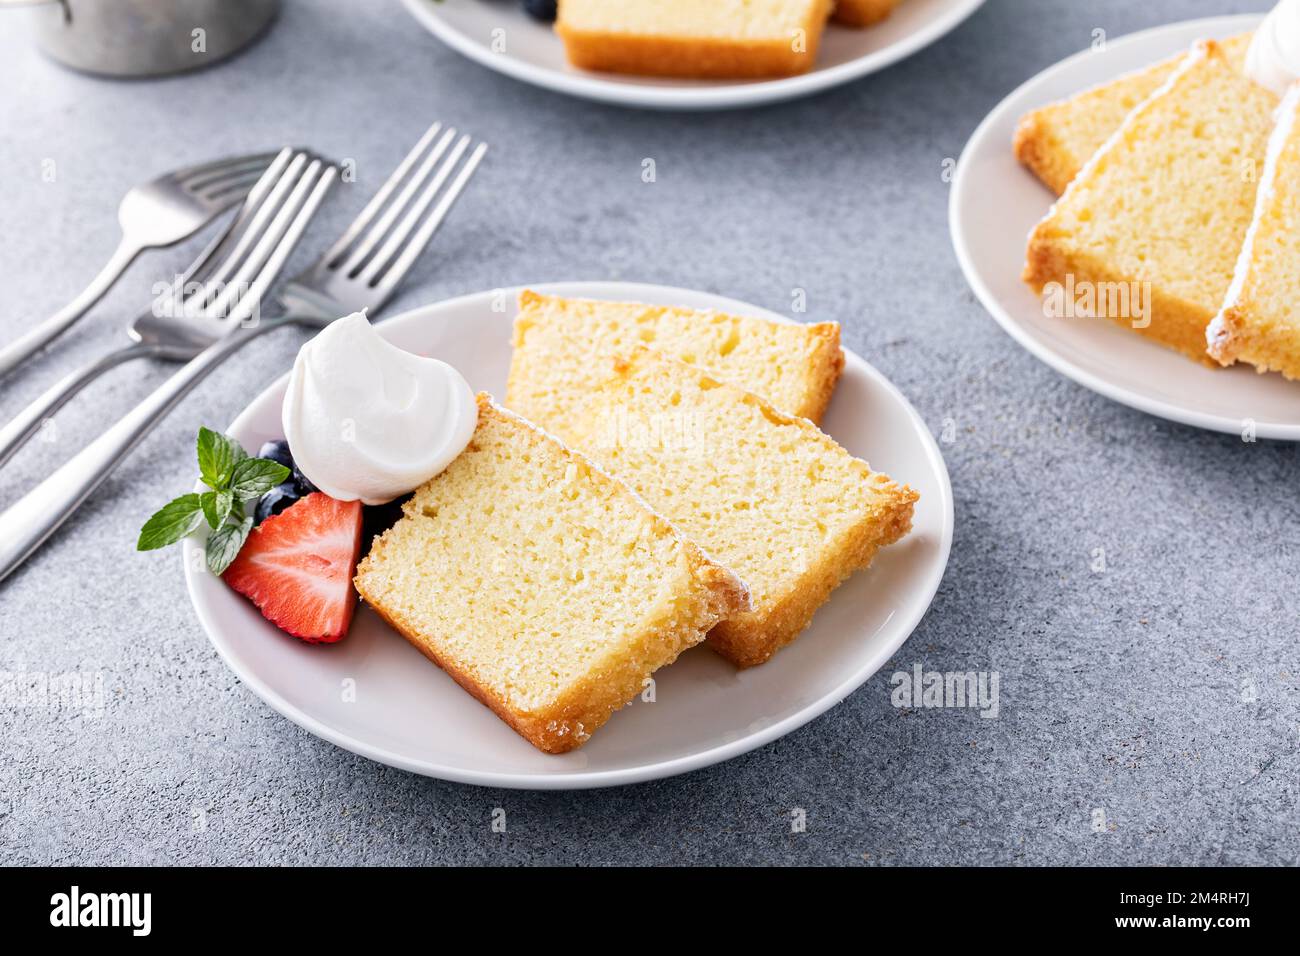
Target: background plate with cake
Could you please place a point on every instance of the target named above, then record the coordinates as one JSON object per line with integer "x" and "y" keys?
{"x": 548, "y": 584}
{"x": 674, "y": 55}
{"x": 1136, "y": 167}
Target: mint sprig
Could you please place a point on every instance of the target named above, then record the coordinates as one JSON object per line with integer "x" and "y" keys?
{"x": 233, "y": 479}
{"x": 216, "y": 507}
{"x": 173, "y": 521}
{"x": 218, "y": 456}
{"x": 254, "y": 477}
{"x": 224, "y": 543}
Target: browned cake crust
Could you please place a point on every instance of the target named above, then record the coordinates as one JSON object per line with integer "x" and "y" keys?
{"x": 1055, "y": 141}
{"x": 862, "y": 13}
{"x": 749, "y": 638}
{"x": 614, "y": 674}
{"x": 1085, "y": 240}
{"x": 1235, "y": 335}
{"x": 693, "y": 56}
{"x": 559, "y": 341}
{"x": 1174, "y": 322}
{"x": 1037, "y": 145}
{"x": 577, "y": 714}
{"x": 881, "y": 509}
{"x": 828, "y": 366}
{"x": 1259, "y": 322}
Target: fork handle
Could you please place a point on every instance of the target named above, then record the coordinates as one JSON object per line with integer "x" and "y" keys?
{"x": 39, "y": 336}
{"x": 28, "y": 522}
{"x": 29, "y": 421}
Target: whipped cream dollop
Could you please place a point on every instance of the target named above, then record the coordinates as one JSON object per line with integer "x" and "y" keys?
{"x": 367, "y": 420}
{"x": 1273, "y": 59}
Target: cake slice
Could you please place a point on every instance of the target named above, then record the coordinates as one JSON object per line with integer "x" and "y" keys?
{"x": 1055, "y": 141}
{"x": 541, "y": 585}
{"x": 1147, "y": 234}
{"x": 862, "y": 13}
{"x": 562, "y": 347}
{"x": 748, "y": 40}
{"x": 1260, "y": 320}
{"x": 765, "y": 493}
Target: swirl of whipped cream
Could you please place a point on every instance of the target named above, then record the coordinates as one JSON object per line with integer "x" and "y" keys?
{"x": 367, "y": 420}
{"x": 1273, "y": 59}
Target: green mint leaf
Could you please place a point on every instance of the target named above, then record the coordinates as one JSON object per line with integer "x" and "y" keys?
{"x": 216, "y": 507}
{"x": 254, "y": 477}
{"x": 224, "y": 543}
{"x": 218, "y": 456}
{"x": 170, "y": 523}
{"x": 208, "y": 502}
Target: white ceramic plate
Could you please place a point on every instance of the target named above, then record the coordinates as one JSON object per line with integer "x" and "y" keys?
{"x": 534, "y": 54}
{"x": 994, "y": 204}
{"x": 409, "y": 714}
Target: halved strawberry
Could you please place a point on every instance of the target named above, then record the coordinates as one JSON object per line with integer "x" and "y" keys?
{"x": 297, "y": 567}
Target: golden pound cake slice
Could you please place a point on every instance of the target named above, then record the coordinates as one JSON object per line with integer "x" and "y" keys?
{"x": 765, "y": 493}
{"x": 544, "y": 587}
{"x": 737, "y": 39}
{"x": 1260, "y": 320}
{"x": 862, "y": 13}
{"x": 1147, "y": 234}
{"x": 1056, "y": 140}
{"x": 562, "y": 347}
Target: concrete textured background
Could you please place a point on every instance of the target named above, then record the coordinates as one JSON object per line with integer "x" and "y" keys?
{"x": 1161, "y": 692}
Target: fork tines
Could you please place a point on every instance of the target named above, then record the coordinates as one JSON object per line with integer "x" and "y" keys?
{"x": 232, "y": 275}
{"x": 225, "y": 177}
{"x": 388, "y": 236}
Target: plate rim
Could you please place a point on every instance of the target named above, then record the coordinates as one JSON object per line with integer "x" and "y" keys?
{"x": 592, "y": 779}
{"x": 959, "y": 229}
{"x": 718, "y": 97}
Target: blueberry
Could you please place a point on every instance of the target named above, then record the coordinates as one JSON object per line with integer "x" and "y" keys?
{"x": 541, "y": 9}
{"x": 376, "y": 519}
{"x": 302, "y": 483}
{"x": 277, "y": 451}
{"x": 275, "y": 501}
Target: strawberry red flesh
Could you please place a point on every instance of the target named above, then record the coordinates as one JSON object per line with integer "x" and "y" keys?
{"x": 297, "y": 567}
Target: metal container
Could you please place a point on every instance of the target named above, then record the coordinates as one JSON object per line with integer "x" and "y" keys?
{"x": 145, "y": 37}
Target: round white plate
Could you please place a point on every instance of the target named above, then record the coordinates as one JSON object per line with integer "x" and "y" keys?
{"x": 534, "y": 54}
{"x": 995, "y": 202}
{"x": 409, "y": 714}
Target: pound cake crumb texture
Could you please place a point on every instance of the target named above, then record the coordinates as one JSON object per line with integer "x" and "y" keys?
{"x": 765, "y": 493}
{"x": 1260, "y": 321}
{"x": 541, "y": 585}
{"x": 736, "y": 39}
{"x": 1056, "y": 140}
{"x": 1162, "y": 208}
{"x": 562, "y": 349}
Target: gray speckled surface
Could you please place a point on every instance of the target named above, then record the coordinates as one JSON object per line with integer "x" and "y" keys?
{"x": 1162, "y": 692}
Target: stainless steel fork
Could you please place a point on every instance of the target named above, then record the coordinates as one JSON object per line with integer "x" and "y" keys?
{"x": 196, "y": 310}
{"x": 155, "y": 214}
{"x": 359, "y": 271}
